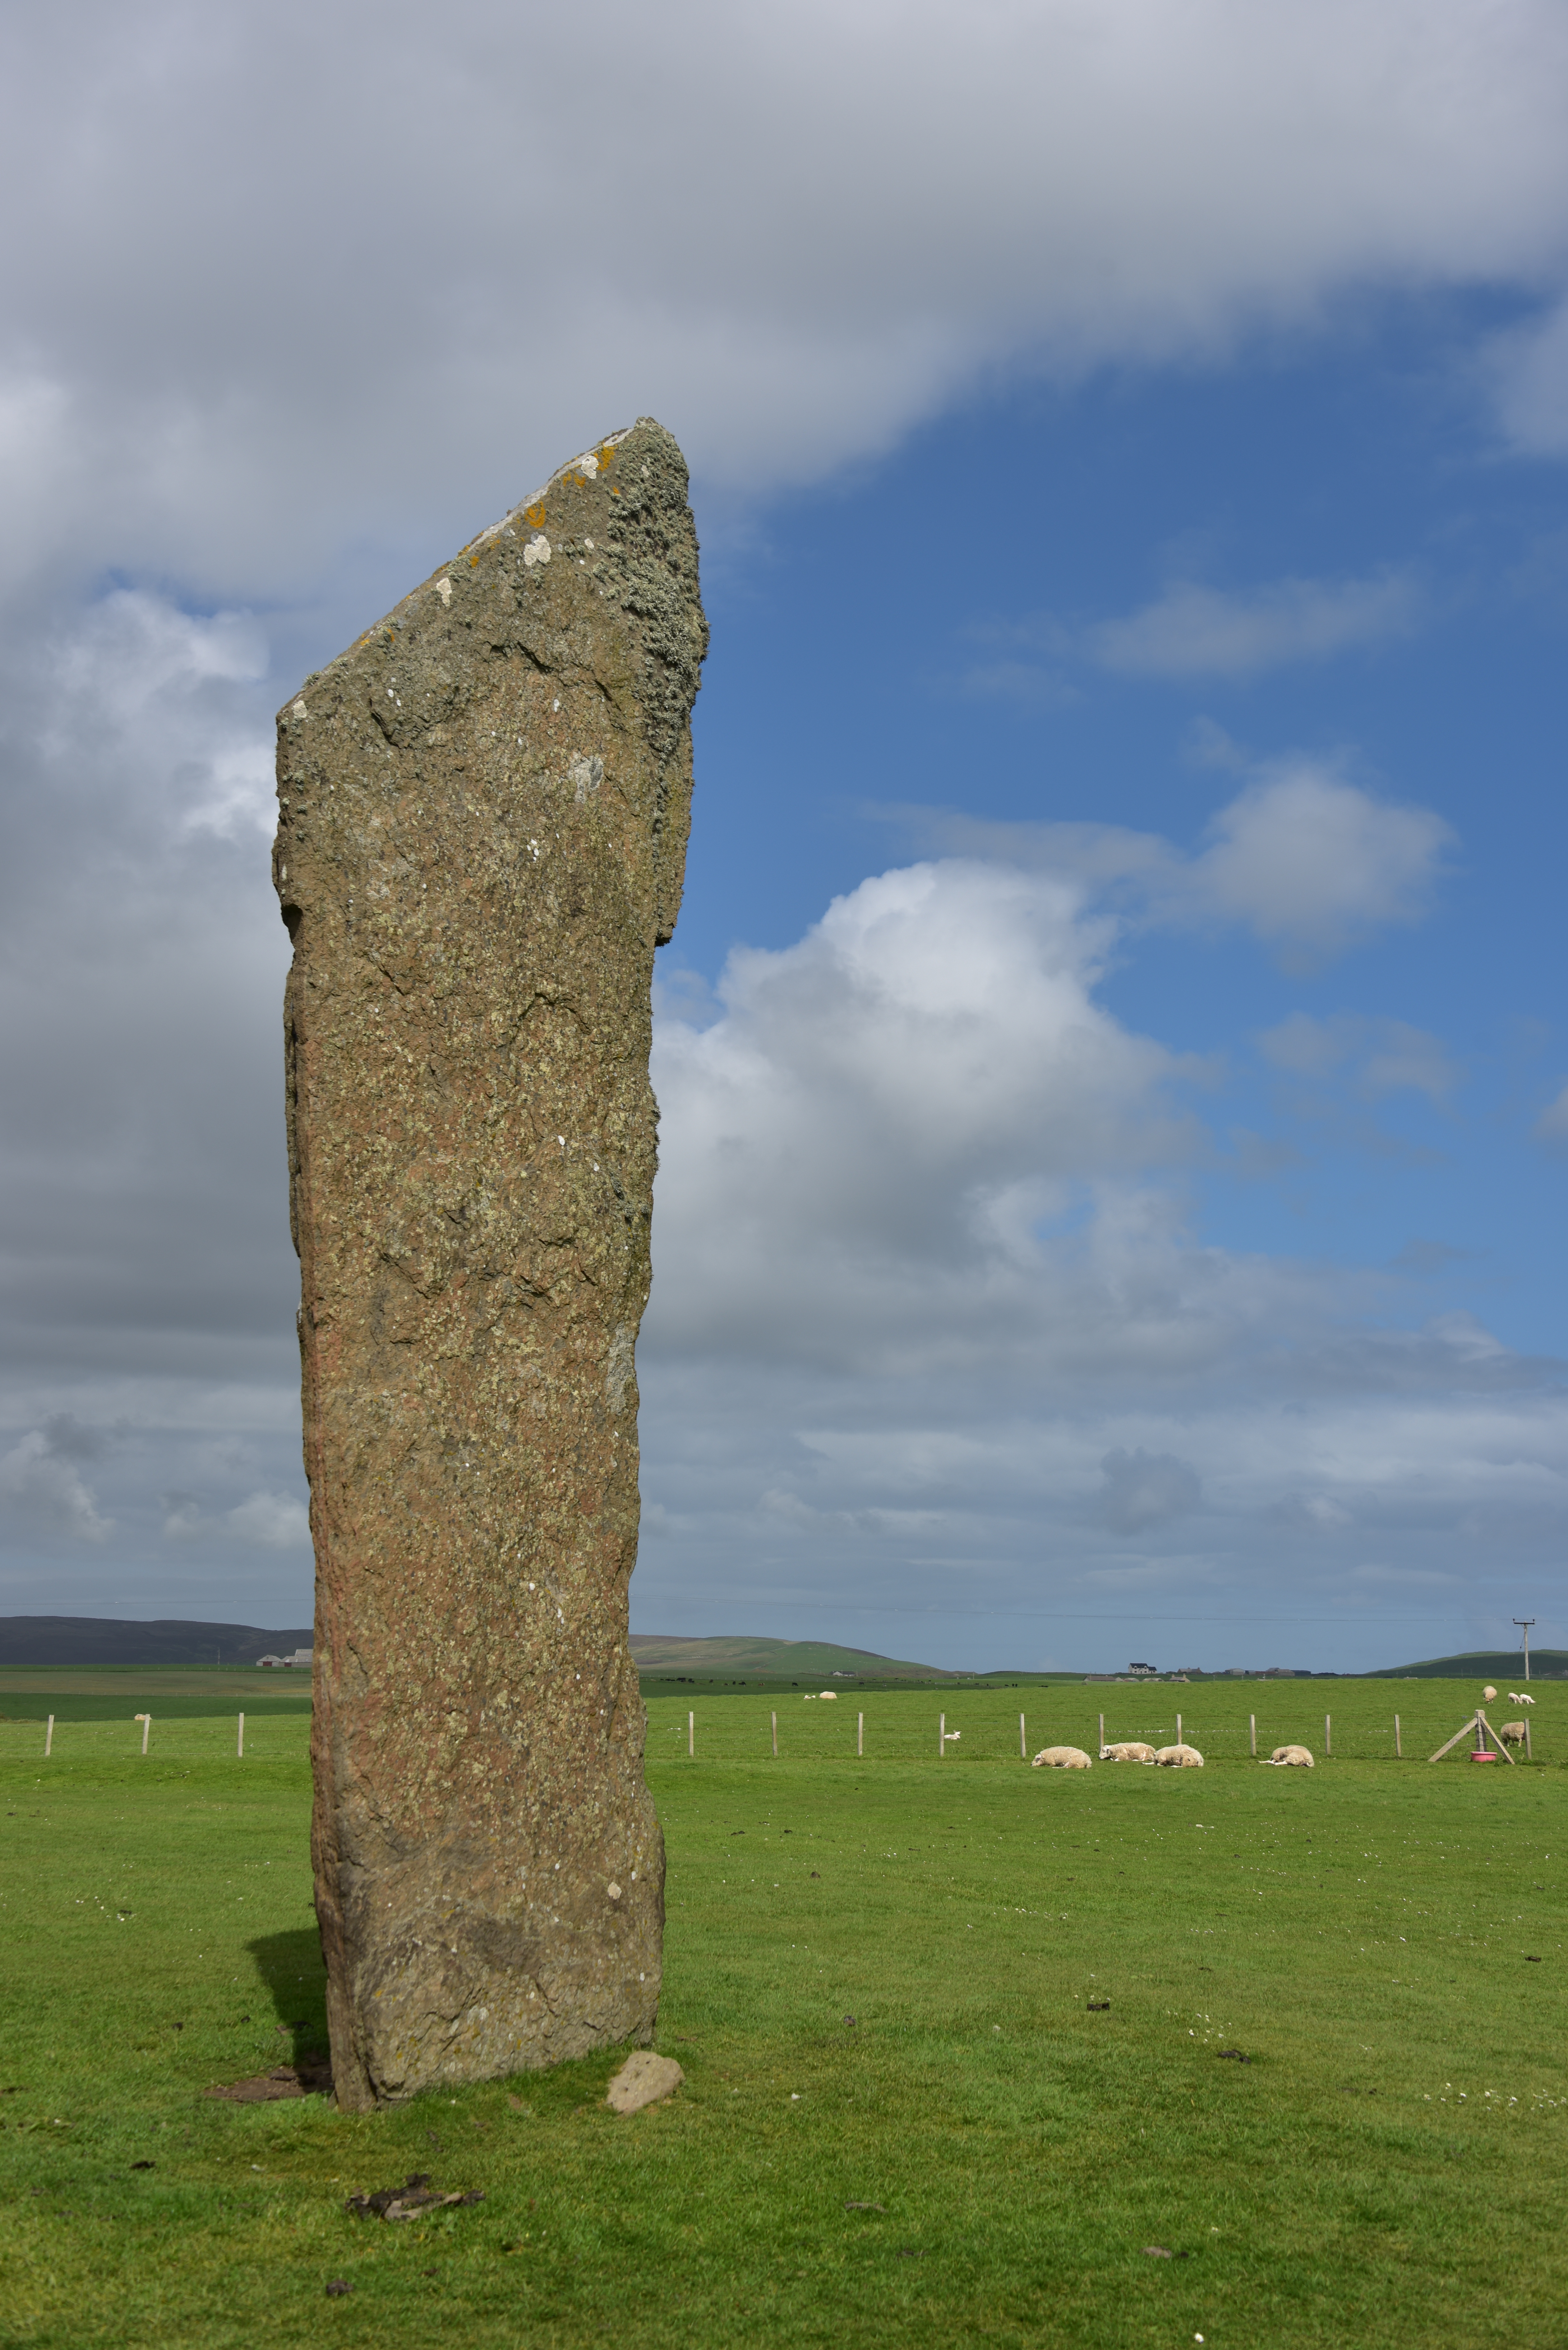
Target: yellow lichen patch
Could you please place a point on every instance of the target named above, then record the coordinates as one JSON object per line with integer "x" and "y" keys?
{"x": 533, "y": 516}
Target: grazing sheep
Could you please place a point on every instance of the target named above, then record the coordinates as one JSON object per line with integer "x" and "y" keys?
{"x": 1512, "y": 1734}
{"x": 1130, "y": 1750}
{"x": 1518, "y": 1697}
{"x": 1489, "y": 1693}
{"x": 1061, "y": 1758}
{"x": 1179, "y": 1758}
{"x": 1291, "y": 1758}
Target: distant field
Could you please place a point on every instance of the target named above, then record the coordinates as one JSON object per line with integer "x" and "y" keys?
{"x": 115, "y": 1692}
{"x": 980, "y": 2156}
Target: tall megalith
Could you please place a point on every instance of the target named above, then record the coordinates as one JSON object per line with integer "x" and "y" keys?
{"x": 482, "y": 831}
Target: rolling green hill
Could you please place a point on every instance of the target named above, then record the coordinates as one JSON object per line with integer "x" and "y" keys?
{"x": 663, "y": 1655}
{"x": 1481, "y": 1665}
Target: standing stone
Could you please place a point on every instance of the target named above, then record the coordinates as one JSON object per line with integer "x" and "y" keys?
{"x": 481, "y": 833}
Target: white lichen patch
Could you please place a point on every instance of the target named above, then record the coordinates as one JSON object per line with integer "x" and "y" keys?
{"x": 443, "y": 589}
{"x": 536, "y": 551}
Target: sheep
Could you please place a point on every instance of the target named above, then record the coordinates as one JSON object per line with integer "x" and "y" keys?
{"x": 1489, "y": 1693}
{"x": 1061, "y": 1758}
{"x": 1130, "y": 1750}
{"x": 1518, "y": 1697}
{"x": 1179, "y": 1758}
{"x": 1512, "y": 1734}
{"x": 1289, "y": 1758}
{"x": 831, "y": 1695}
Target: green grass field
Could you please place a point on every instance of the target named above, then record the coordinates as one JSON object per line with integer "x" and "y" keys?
{"x": 980, "y": 2156}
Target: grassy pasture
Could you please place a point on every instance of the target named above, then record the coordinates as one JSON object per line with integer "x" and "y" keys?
{"x": 1387, "y": 2169}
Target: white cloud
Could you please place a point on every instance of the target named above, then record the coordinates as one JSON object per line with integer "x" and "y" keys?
{"x": 924, "y": 1081}
{"x": 1309, "y": 863}
{"x": 890, "y": 205}
{"x": 1196, "y": 631}
{"x": 273, "y": 1521}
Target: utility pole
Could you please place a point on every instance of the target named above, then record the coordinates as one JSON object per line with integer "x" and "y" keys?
{"x": 1524, "y": 1623}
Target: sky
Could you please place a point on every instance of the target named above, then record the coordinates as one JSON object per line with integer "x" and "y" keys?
{"x": 1112, "y": 1061}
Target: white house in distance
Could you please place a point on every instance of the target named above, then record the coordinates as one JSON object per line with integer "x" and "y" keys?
{"x": 299, "y": 1657}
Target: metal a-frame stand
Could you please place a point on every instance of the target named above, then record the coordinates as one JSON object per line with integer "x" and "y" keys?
{"x": 1477, "y": 1726}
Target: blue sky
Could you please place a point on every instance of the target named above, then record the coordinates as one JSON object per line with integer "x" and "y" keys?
{"x": 1113, "y": 1077}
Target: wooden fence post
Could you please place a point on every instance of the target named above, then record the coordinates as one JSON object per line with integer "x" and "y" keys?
{"x": 1179, "y": 1730}
{"x": 1528, "y": 1755}
{"x": 240, "y": 1747}
{"x": 1252, "y": 1732}
{"x": 860, "y": 1735}
{"x": 1023, "y": 1741}
{"x": 941, "y": 1738}
{"x": 49, "y": 1734}
{"x": 692, "y": 1733}
{"x": 775, "y": 1737}
{"x": 1398, "y": 1750}
{"x": 1327, "y": 1735}
{"x": 146, "y": 1730}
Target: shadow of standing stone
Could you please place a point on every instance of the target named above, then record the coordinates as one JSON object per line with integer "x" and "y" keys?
{"x": 482, "y": 811}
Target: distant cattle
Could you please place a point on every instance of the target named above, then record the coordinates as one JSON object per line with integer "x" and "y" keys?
{"x": 1291, "y": 1758}
{"x": 1061, "y": 1758}
{"x": 1179, "y": 1758}
{"x": 1129, "y": 1750}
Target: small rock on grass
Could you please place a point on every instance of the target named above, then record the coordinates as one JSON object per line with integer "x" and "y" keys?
{"x": 337, "y": 2287}
{"x": 642, "y": 2079}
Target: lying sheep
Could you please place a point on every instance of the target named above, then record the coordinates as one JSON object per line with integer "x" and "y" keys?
{"x": 1291, "y": 1758}
{"x": 1179, "y": 1758}
{"x": 831, "y": 1695}
{"x": 1130, "y": 1750}
{"x": 1061, "y": 1758}
{"x": 1512, "y": 1734}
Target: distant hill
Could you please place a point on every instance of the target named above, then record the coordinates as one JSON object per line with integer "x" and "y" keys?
{"x": 1481, "y": 1665}
{"x": 663, "y": 1655}
{"x": 169, "y": 1640}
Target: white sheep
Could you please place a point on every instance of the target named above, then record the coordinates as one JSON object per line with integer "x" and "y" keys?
{"x": 1512, "y": 1734}
{"x": 1518, "y": 1697}
{"x": 1179, "y": 1758}
{"x": 1291, "y": 1758}
{"x": 831, "y": 1695}
{"x": 1489, "y": 1693}
{"x": 1061, "y": 1758}
{"x": 1130, "y": 1750}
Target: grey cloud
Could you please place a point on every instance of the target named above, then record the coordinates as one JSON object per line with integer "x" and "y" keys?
{"x": 43, "y": 1489}
{"x": 1145, "y": 1489}
{"x": 1380, "y": 1055}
